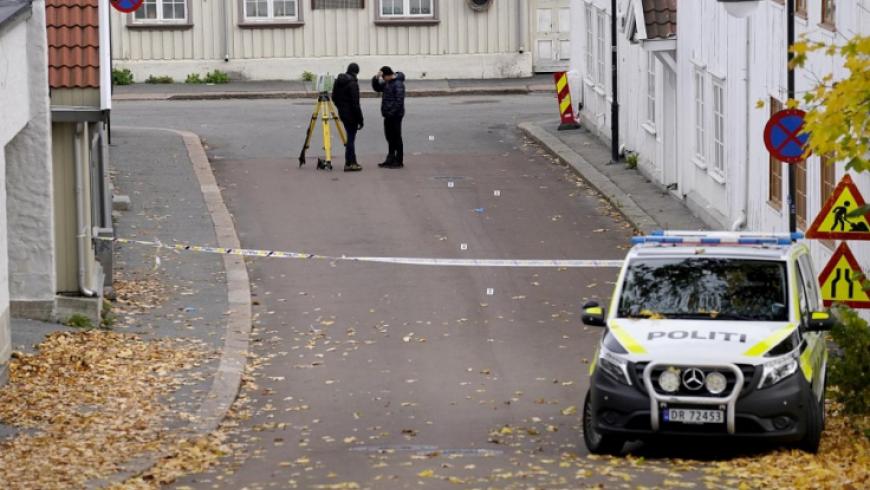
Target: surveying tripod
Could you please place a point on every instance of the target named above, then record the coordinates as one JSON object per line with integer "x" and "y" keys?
{"x": 326, "y": 111}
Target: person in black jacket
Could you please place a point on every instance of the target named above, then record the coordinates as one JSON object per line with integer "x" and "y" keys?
{"x": 392, "y": 86}
{"x": 345, "y": 95}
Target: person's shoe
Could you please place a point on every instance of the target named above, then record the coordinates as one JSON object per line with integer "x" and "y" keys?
{"x": 352, "y": 167}
{"x": 394, "y": 165}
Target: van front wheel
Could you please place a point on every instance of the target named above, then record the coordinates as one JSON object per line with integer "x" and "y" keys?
{"x": 596, "y": 442}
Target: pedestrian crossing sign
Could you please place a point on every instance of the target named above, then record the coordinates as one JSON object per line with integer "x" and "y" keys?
{"x": 842, "y": 280}
{"x": 833, "y": 221}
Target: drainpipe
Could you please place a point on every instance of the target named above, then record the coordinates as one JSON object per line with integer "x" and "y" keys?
{"x": 522, "y": 24}
{"x": 741, "y": 221}
{"x": 82, "y": 236}
{"x": 226, "y": 20}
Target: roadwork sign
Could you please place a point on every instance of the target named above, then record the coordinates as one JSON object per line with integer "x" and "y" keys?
{"x": 842, "y": 280}
{"x": 833, "y": 221}
{"x": 784, "y": 136}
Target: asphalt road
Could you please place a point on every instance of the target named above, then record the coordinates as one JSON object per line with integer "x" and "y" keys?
{"x": 387, "y": 376}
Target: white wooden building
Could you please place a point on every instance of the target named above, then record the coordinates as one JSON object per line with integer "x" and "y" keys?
{"x": 280, "y": 39}
{"x": 690, "y": 76}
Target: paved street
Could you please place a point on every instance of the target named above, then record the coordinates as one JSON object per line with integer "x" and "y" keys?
{"x": 389, "y": 376}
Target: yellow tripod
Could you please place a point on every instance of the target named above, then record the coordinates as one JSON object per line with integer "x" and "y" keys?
{"x": 325, "y": 110}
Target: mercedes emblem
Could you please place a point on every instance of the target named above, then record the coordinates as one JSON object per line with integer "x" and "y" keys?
{"x": 693, "y": 379}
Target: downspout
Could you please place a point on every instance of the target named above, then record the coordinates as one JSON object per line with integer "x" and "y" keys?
{"x": 741, "y": 221}
{"x": 522, "y": 25}
{"x": 226, "y": 20}
{"x": 81, "y": 226}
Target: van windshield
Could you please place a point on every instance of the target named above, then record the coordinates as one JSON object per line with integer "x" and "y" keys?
{"x": 705, "y": 288}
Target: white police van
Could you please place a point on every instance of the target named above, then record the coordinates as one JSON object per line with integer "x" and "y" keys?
{"x": 712, "y": 334}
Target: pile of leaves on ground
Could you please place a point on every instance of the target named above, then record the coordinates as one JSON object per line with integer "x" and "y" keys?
{"x": 843, "y": 460}
{"x": 87, "y": 402}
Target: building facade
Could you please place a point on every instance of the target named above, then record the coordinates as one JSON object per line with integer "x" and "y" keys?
{"x": 281, "y": 39}
{"x": 696, "y": 88}
{"x": 26, "y": 233}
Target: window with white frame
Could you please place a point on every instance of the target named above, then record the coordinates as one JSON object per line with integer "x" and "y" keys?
{"x": 718, "y": 149}
{"x": 651, "y": 88}
{"x": 590, "y": 43}
{"x": 406, "y": 8}
{"x": 169, "y": 11}
{"x": 602, "y": 21}
{"x": 700, "y": 116}
{"x": 264, "y": 10}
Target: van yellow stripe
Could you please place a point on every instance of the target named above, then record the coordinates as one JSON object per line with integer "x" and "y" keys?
{"x": 806, "y": 363}
{"x": 771, "y": 341}
{"x": 627, "y": 341}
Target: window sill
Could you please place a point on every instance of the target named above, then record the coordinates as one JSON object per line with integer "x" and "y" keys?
{"x": 830, "y": 28}
{"x": 717, "y": 176}
{"x": 599, "y": 90}
{"x": 589, "y": 82}
{"x": 269, "y": 24}
{"x": 701, "y": 164}
{"x": 776, "y": 207}
{"x": 177, "y": 26}
{"x": 649, "y": 127}
{"x": 406, "y": 21}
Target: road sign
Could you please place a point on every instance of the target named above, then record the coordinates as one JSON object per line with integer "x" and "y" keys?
{"x": 841, "y": 280}
{"x": 784, "y": 136}
{"x": 127, "y": 6}
{"x": 833, "y": 221}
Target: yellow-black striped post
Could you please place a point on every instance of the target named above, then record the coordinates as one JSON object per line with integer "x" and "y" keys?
{"x": 563, "y": 93}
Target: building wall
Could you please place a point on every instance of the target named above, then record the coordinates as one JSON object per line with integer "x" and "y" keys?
{"x": 464, "y": 43}
{"x": 64, "y": 169}
{"x": 89, "y": 97}
{"x": 29, "y": 189}
{"x": 15, "y": 101}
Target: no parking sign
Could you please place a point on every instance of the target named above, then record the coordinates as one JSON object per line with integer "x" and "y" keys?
{"x": 784, "y": 136}
{"x": 127, "y": 6}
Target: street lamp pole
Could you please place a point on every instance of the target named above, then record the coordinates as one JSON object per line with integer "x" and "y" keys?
{"x": 614, "y": 105}
{"x": 792, "y": 209}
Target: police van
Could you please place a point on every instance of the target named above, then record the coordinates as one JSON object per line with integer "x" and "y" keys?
{"x": 711, "y": 334}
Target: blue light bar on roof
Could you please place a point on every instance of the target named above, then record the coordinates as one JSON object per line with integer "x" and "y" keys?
{"x": 718, "y": 238}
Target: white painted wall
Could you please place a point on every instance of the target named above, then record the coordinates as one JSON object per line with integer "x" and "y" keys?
{"x": 14, "y": 99}
{"x": 464, "y": 43}
{"x": 29, "y": 177}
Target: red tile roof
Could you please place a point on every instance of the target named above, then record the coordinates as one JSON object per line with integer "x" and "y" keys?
{"x": 660, "y": 17}
{"x": 73, "y": 43}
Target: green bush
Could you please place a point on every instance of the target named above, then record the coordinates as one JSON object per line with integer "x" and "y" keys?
{"x": 194, "y": 78}
{"x": 849, "y": 369}
{"x": 307, "y": 76}
{"x": 217, "y": 76}
{"x": 78, "y": 321}
{"x": 160, "y": 79}
{"x": 631, "y": 160}
{"x": 122, "y": 77}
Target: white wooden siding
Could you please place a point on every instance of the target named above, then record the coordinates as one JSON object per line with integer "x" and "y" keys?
{"x": 326, "y": 33}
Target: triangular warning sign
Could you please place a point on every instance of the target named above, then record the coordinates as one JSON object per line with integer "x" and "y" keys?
{"x": 834, "y": 222}
{"x": 842, "y": 280}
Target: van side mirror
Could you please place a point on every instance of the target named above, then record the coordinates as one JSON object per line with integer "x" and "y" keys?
{"x": 593, "y": 315}
{"x": 820, "y": 321}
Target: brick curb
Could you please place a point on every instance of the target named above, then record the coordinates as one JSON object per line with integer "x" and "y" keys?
{"x": 639, "y": 219}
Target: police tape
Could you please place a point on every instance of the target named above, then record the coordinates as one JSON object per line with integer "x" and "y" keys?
{"x": 278, "y": 254}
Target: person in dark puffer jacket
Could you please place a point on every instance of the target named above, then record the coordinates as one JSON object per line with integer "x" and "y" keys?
{"x": 345, "y": 95}
{"x": 392, "y": 86}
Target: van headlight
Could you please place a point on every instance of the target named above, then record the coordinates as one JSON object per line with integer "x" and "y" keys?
{"x": 777, "y": 370}
{"x": 614, "y": 367}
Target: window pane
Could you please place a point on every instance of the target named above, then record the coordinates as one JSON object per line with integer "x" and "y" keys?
{"x": 800, "y": 173}
{"x": 414, "y": 8}
{"x": 256, "y": 9}
{"x": 284, "y": 8}
{"x": 426, "y": 7}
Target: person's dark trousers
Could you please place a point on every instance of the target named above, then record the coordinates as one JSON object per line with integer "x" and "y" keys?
{"x": 350, "y": 147}
{"x": 393, "y": 132}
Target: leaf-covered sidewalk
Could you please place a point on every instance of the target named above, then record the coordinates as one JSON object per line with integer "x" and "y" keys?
{"x": 87, "y": 402}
